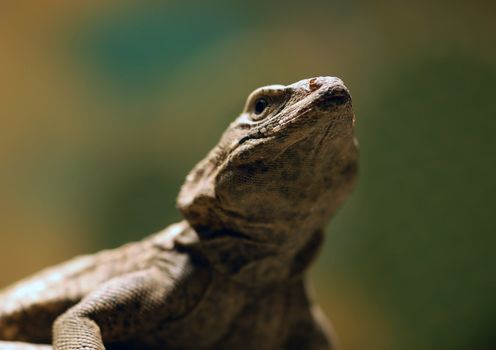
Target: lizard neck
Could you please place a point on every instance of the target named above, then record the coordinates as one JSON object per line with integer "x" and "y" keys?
{"x": 250, "y": 262}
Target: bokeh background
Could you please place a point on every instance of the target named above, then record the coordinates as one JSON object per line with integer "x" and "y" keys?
{"x": 105, "y": 107}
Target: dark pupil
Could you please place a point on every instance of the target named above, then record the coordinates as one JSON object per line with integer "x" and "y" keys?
{"x": 260, "y": 105}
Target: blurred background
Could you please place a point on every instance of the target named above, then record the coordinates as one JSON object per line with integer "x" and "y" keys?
{"x": 106, "y": 106}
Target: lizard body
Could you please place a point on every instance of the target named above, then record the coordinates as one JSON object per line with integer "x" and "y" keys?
{"x": 231, "y": 275}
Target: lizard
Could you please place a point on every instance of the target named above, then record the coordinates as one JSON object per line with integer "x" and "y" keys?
{"x": 231, "y": 274}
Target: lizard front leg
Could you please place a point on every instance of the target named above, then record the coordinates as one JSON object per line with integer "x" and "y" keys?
{"x": 122, "y": 309}
{"x": 4, "y": 345}
{"x": 29, "y": 307}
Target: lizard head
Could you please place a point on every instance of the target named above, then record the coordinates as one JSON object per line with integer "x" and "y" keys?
{"x": 284, "y": 165}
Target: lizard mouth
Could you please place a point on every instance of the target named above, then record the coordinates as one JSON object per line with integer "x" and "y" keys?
{"x": 337, "y": 105}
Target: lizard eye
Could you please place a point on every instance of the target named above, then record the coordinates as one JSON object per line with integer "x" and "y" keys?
{"x": 260, "y": 105}
{"x": 262, "y": 102}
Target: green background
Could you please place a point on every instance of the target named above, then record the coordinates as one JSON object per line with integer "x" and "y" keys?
{"x": 106, "y": 107}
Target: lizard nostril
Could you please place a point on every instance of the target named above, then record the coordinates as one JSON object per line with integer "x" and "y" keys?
{"x": 339, "y": 99}
{"x": 334, "y": 97}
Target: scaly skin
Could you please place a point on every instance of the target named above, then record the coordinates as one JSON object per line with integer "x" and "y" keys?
{"x": 231, "y": 275}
